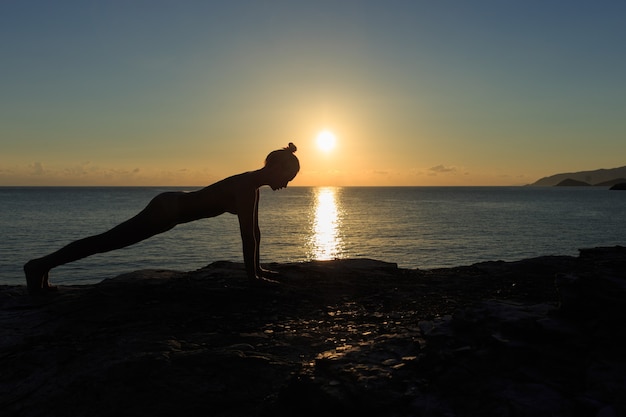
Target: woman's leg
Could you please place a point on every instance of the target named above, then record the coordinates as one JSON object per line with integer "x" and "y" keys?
{"x": 160, "y": 215}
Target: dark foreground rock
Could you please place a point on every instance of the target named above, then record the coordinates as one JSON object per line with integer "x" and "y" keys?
{"x": 539, "y": 337}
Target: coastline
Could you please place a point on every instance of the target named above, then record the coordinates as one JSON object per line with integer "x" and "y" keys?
{"x": 533, "y": 337}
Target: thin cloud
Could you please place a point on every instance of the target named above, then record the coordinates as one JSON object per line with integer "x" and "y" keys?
{"x": 441, "y": 169}
{"x": 37, "y": 168}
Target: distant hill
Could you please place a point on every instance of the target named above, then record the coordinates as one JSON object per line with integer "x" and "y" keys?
{"x": 568, "y": 182}
{"x": 611, "y": 182}
{"x": 597, "y": 177}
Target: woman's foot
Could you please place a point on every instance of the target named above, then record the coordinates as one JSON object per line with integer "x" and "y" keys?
{"x": 262, "y": 281}
{"x": 267, "y": 273}
{"x": 37, "y": 280}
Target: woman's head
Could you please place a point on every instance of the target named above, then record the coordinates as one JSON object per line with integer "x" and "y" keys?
{"x": 284, "y": 161}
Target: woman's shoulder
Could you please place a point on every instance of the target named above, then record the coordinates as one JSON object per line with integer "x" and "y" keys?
{"x": 239, "y": 183}
{"x": 243, "y": 179}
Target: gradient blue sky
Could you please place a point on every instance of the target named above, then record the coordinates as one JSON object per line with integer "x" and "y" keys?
{"x": 417, "y": 92}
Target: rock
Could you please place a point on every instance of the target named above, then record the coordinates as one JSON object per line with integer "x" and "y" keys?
{"x": 537, "y": 337}
{"x": 619, "y": 186}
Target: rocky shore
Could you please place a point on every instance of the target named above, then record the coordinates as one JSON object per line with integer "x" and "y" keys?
{"x": 537, "y": 337}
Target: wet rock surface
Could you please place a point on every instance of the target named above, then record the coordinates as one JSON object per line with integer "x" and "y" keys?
{"x": 538, "y": 337}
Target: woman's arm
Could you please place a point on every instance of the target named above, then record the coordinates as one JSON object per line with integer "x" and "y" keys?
{"x": 257, "y": 236}
{"x": 265, "y": 274}
{"x": 246, "y": 214}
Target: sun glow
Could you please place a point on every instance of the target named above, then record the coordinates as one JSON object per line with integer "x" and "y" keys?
{"x": 326, "y": 140}
{"x": 326, "y": 242}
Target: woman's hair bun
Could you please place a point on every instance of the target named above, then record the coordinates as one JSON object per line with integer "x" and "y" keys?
{"x": 291, "y": 147}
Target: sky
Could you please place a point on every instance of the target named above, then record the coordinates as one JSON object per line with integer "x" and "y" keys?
{"x": 417, "y": 93}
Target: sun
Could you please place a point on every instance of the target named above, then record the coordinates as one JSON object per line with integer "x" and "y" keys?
{"x": 326, "y": 140}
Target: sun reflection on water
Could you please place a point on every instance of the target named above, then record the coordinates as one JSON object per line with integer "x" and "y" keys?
{"x": 325, "y": 242}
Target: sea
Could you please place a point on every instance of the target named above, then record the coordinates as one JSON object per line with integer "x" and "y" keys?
{"x": 415, "y": 227}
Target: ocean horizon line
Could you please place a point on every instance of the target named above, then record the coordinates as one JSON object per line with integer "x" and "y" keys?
{"x": 290, "y": 186}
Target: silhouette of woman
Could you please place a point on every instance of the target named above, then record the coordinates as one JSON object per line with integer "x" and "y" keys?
{"x": 238, "y": 195}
